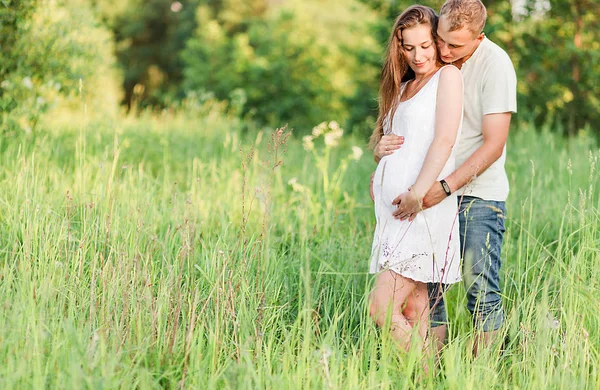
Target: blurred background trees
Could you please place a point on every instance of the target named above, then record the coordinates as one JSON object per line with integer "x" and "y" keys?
{"x": 555, "y": 46}
{"x": 273, "y": 61}
{"x": 297, "y": 63}
{"x": 49, "y": 50}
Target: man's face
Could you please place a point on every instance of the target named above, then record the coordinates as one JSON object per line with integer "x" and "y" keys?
{"x": 456, "y": 46}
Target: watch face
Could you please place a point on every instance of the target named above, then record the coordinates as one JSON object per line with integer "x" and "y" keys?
{"x": 446, "y": 187}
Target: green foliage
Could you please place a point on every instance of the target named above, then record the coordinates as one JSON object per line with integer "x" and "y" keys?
{"x": 13, "y": 15}
{"x": 556, "y": 52}
{"x": 149, "y": 35}
{"x": 55, "y": 50}
{"x": 296, "y": 62}
{"x": 293, "y": 64}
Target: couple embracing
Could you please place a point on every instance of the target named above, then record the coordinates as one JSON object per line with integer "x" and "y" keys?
{"x": 446, "y": 98}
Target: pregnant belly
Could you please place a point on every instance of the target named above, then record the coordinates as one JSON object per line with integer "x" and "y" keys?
{"x": 393, "y": 176}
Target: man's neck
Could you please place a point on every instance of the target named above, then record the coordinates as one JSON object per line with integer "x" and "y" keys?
{"x": 461, "y": 62}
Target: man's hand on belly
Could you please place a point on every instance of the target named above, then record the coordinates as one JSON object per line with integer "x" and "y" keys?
{"x": 409, "y": 205}
{"x": 434, "y": 196}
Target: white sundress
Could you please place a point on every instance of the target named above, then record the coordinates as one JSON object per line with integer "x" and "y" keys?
{"x": 426, "y": 249}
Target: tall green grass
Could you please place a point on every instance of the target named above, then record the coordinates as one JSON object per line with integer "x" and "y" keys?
{"x": 174, "y": 250}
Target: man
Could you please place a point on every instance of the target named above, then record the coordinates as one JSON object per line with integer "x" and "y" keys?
{"x": 480, "y": 179}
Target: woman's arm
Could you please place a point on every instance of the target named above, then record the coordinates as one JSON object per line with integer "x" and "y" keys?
{"x": 447, "y": 121}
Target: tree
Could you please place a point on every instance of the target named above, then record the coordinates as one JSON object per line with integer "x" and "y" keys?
{"x": 294, "y": 63}
{"x": 50, "y": 50}
{"x": 149, "y": 36}
{"x": 557, "y": 57}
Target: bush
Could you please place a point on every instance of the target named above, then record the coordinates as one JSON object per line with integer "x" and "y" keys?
{"x": 293, "y": 64}
{"x": 57, "y": 50}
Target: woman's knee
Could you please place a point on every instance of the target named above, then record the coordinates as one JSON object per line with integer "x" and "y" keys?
{"x": 410, "y": 310}
{"x": 417, "y": 305}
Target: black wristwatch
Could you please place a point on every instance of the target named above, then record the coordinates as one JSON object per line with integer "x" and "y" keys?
{"x": 446, "y": 187}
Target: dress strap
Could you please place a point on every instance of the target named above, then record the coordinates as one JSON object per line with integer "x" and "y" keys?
{"x": 403, "y": 87}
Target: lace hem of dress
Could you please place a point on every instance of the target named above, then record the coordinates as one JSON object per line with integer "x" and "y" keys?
{"x": 412, "y": 267}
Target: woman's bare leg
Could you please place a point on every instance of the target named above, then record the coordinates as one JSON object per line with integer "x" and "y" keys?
{"x": 390, "y": 293}
{"x": 416, "y": 310}
{"x": 417, "y": 314}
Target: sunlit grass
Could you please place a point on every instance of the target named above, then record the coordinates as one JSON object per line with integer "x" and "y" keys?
{"x": 174, "y": 250}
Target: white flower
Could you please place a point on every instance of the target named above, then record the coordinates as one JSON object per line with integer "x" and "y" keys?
{"x": 307, "y": 143}
{"x": 356, "y": 153}
{"x": 332, "y": 139}
{"x": 333, "y": 125}
{"x": 27, "y": 82}
{"x": 319, "y": 129}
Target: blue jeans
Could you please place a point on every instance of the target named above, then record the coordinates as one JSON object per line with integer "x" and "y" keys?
{"x": 481, "y": 231}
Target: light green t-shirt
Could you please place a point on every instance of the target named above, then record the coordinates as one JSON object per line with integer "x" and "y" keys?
{"x": 490, "y": 87}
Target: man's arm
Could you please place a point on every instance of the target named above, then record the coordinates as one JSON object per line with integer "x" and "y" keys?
{"x": 495, "y": 133}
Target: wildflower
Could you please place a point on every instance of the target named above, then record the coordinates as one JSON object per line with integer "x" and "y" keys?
{"x": 307, "y": 143}
{"x": 319, "y": 129}
{"x": 332, "y": 139}
{"x": 27, "y": 83}
{"x": 356, "y": 153}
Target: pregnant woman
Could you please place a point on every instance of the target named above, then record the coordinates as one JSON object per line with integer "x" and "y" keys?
{"x": 421, "y": 101}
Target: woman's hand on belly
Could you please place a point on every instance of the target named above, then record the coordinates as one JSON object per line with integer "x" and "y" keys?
{"x": 387, "y": 145}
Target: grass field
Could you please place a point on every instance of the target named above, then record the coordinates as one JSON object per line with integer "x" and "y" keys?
{"x": 153, "y": 253}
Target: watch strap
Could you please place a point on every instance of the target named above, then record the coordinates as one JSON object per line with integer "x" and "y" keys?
{"x": 446, "y": 187}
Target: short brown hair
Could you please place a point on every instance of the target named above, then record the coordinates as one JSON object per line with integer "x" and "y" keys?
{"x": 465, "y": 13}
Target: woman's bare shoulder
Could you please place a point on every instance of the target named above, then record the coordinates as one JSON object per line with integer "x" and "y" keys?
{"x": 450, "y": 72}
{"x": 450, "y": 85}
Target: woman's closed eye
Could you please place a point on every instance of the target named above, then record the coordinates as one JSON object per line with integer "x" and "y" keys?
{"x": 411, "y": 48}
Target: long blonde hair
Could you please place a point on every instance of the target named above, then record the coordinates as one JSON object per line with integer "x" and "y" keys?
{"x": 395, "y": 68}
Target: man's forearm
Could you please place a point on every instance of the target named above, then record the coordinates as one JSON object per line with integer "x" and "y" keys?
{"x": 475, "y": 165}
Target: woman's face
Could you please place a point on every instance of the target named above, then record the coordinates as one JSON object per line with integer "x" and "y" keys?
{"x": 419, "y": 49}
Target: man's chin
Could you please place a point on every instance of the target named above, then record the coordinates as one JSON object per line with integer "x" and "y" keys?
{"x": 448, "y": 60}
